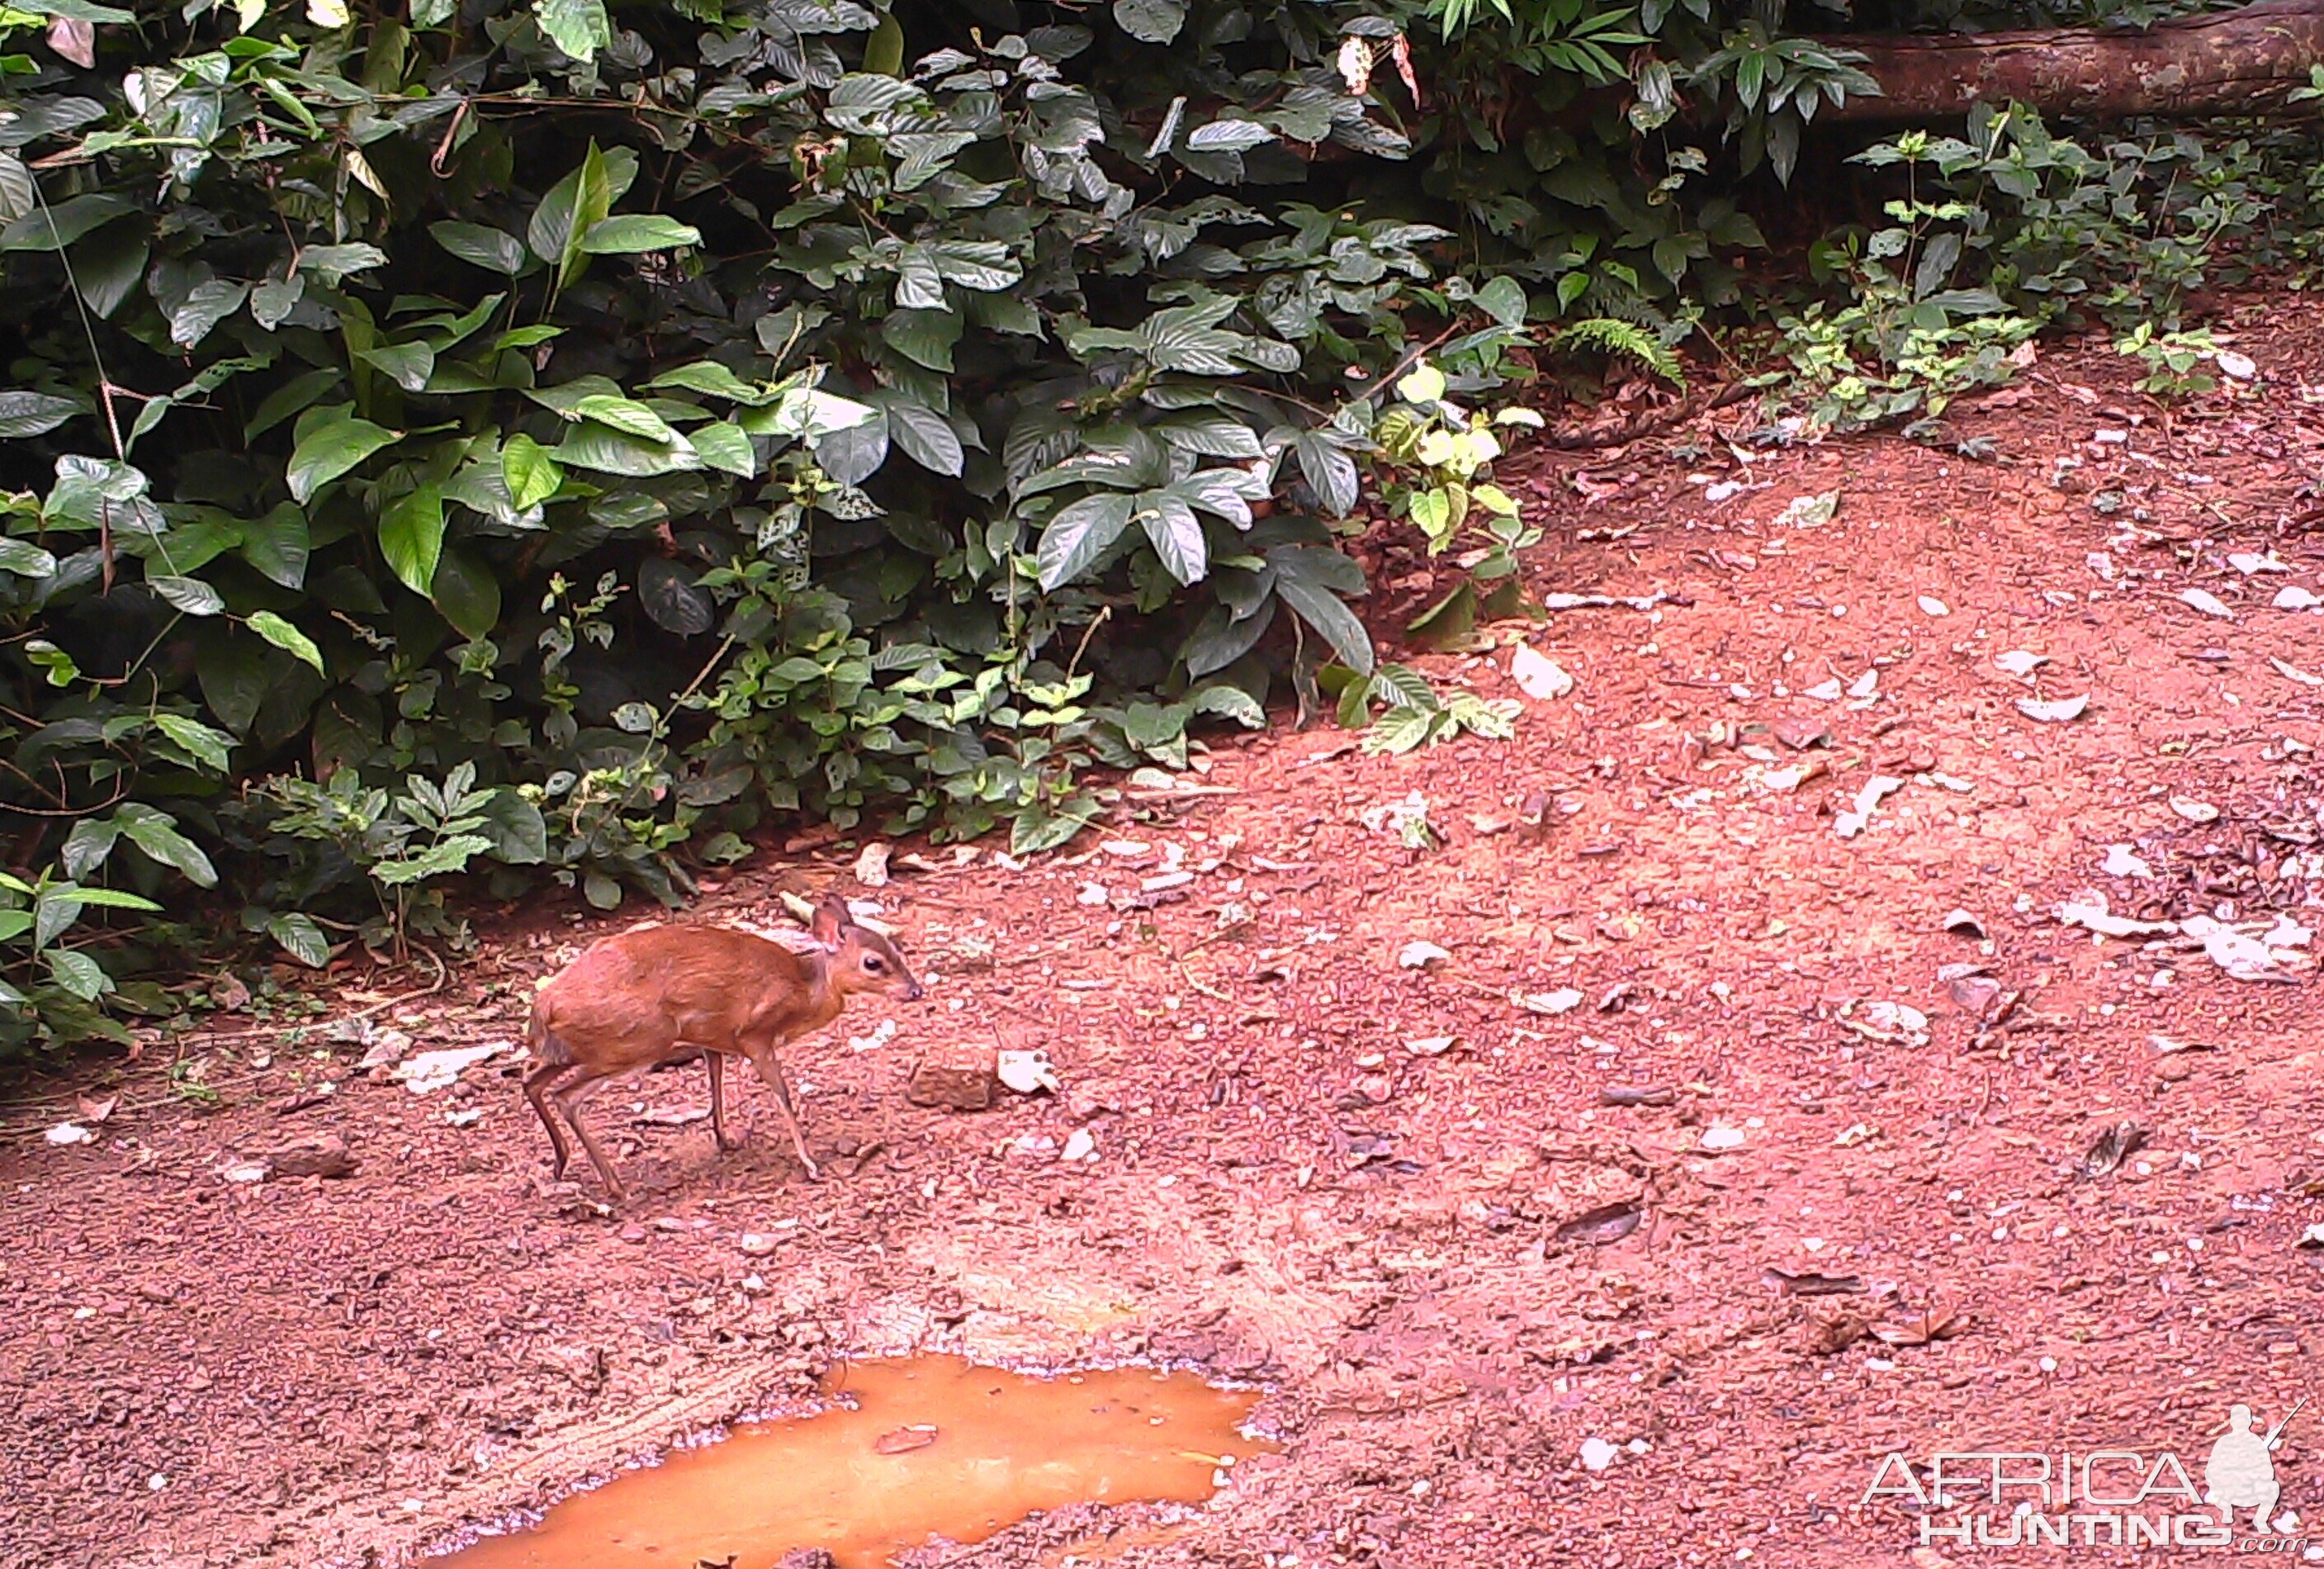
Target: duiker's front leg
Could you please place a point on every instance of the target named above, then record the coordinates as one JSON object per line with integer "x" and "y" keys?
{"x": 763, "y": 1057}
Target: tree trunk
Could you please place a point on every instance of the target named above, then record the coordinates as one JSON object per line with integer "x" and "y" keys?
{"x": 2232, "y": 62}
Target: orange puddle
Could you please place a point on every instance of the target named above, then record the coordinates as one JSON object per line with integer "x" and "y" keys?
{"x": 1003, "y": 1446}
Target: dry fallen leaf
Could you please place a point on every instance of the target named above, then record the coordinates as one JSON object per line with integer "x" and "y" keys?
{"x": 1607, "y": 1223}
{"x": 97, "y": 1110}
{"x": 2018, "y": 663}
{"x": 1537, "y": 676}
{"x": 2293, "y": 673}
{"x": 2052, "y": 710}
{"x": 2113, "y": 1148}
{"x": 2207, "y": 602}
{"x": 904, "y": 1440}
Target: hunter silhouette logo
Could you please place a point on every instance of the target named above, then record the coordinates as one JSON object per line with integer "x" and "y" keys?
{"x": 2114, "y": 1497}
{"x": 2241, "y": 1473}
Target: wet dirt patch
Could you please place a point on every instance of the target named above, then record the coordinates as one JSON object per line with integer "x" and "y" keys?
{"x": 913, "y": 1448}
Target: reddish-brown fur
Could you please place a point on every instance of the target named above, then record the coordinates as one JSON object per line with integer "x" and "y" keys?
{"x": 666, "y": 993}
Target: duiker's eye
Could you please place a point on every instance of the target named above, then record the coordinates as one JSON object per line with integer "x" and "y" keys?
{"x": 873, "y": 963}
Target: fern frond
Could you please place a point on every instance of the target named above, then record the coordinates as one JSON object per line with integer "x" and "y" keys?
{"x": 1606, "y": 335}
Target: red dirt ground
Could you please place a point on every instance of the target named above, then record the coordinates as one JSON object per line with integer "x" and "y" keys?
{"x": 306, "y": 1371}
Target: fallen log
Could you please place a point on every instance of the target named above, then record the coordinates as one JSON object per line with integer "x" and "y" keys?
{"x": 2240, "y": 62}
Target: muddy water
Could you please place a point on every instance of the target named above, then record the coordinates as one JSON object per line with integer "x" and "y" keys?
{"x": 934, "y": 1446}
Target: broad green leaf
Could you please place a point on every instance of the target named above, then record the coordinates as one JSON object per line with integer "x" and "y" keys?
{"x": 24, "y": 413}
{"x": 25, "y": 559}
{"x": 59, "y": 224}
{"x": 925, "y": 435}
{"x": 108, "y": 265}
{"x": 725, "y": 446}
{"x": 334, "y": 263}
{"x": 1306, "y": 583}
{"x": 580, "y": 28}
{"x": 78, "y": 973}
{"x": 295, "y": 396}
{"x": 1079, "y": 534}
{"x": 275, "y": 630}
{"x": 332, "y": 448}
{"x": 1504, "y": 299}
{"x": 531, "y": 474}
{"x": 189, "y": 595}
{"x": 1150, "y": 21}
{"x": 600, "y": 447}
{"x": 494, "y": 250}
{"x": 234, "y": 676}
{"x": 408, "y": 364}
{"x": 1229, "y": 136}
{"x": 670, "y": 597}
{"x": 466, "y": 593}
{"x": 156, "y": 834}
{"x": 208, "y": 304}
{"x": 635, "y": 232}
{"x": 298, "y": 935}
{"x": 211, "y": 748}
{"x": 1328, "y": 470}
{"x": 926, "y": 337}
{"x": 276, "y": 545}
{"x": 411, "y": 537}
{"x": 853, "y": 454}
{"x": 712, "y": 380}
{"x": 576, "y": 203}
{"x": 86, "y": 846}
{"x": 1177, "y": 535}
{"x": 624, "y": 414}
{"x": 272, "y": 301}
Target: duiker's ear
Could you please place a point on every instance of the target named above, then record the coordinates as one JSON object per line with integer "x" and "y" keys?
{"x": 831, "y": 918}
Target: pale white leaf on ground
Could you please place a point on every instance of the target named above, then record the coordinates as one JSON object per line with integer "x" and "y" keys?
{"x": 1807, "y": 512}
{"x": 2193, "y": 810}
{"x": 1537, "y": 676}
{"x": 2248, "y": 563}
{"x": 2204, "y": 600}
{"x": 1852, "y": 821}
{"x": 1715, "y": 1139}
{"x": 2293, "y": 673}
{"x": 430, "y": 1071}
{"x": 2018, "y": 663}
{"x": 1932, "y": 605}
{"x": 2241, "y": 366}
{"x": 1565, "y": 1000}
{"x": 1027, "y": 1071}
{"x": 70, "y": 1133}
{"x": 2090, "y": 911}
{"x": 871, "y": 865}
{"x": 2122, "y": 861}
{"x": 1824, "y": 691}
{"x": 2052, "y": 710}
{"x": 2292, "y": 596}
{"x": 1420, "y": 955}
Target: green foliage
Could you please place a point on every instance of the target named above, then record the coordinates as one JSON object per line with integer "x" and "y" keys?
{"x": 2175, "y": 361}
{"x": 1412, "y": 714}
{"x": 553, "y": 439}
{"x": 52, "y": 986}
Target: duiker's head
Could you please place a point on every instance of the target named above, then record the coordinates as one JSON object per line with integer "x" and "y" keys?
{"x": 861, "y": 960}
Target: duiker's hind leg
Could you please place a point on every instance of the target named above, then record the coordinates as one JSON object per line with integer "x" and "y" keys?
{"x": 568, "y": 1097}
{"x": 536, "y": 1090}
{"x": 718, "y": 1100}
{"x": 772, "y": 1070}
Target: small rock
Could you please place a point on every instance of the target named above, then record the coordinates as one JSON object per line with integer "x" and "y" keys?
{"x": 1596, "y": 1454}
{"x": 1715, "y": 1139}
{"x": 1421, "y": 956}
{"x": 1932, "y": 605}
{"x": 1081, "y": 1145}
{"x": 958, "y": 1076}
{"x": 70, "y": 1134}
{"x": 757, "y": 1244}
{"x": 316, "y": 1155}
{"x": 871, "y": 865}
{"x": 2294, "y": 597}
